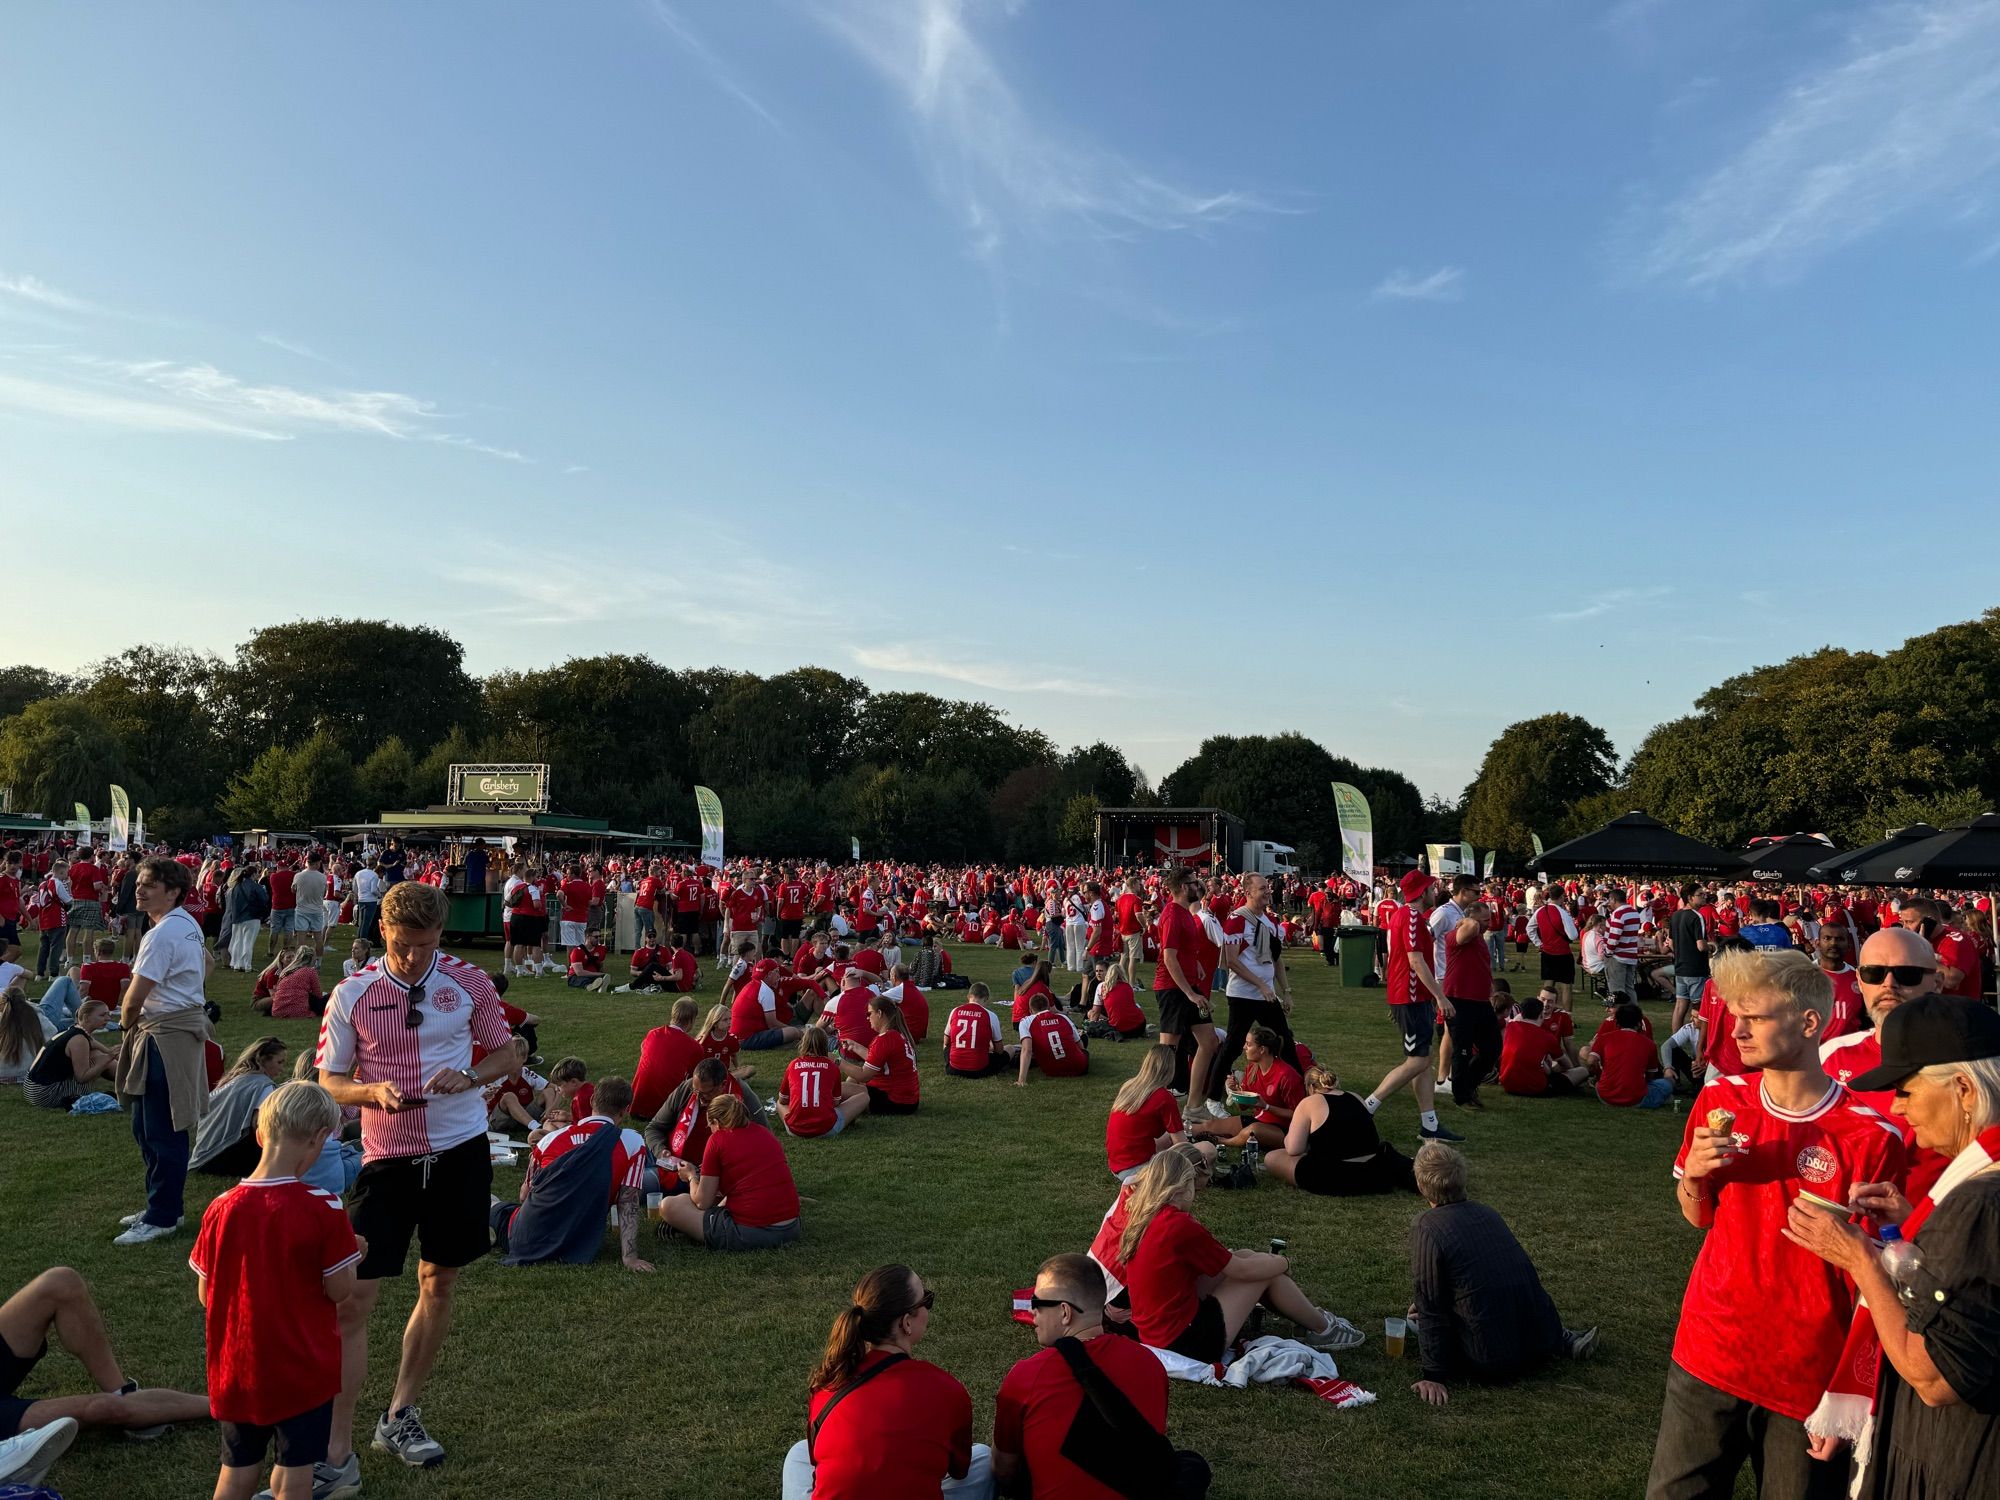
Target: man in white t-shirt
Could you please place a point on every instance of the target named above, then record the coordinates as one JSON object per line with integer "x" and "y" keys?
{"x": 162, "y": 1063}
{"x": 396, "y": 1041}
{"x": 367, "y": 902}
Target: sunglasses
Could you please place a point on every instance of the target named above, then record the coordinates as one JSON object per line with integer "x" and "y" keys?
{"x": 1040, "y": 1304}
{"x": 1909, "y": 976}
{"x": 411, "y": 1018}
{"x": 924, "y": 1302}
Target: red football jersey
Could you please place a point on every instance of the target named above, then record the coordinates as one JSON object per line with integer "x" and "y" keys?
{"x": 1057, "y": 1048}
{"x": 1129, "y": 1138}
{"x": 265, "y": 1247}
{"x": 1763, "y": 1319}
{"x": 811, "y": 1093}
{"x": 969, "y": 1034}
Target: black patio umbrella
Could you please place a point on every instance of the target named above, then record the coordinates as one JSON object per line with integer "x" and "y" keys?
{"x": 1843, "y": 868}
{"x": 1965, "y": 857}
{"x": 1636, "y": 845}
{"x": 1787, "y": 859}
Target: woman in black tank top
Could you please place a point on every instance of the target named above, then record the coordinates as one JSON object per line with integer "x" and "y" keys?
{"x": 1332, "y": 1146}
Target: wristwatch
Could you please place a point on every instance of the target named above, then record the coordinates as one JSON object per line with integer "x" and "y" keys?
{"x": 470, "y": 1076}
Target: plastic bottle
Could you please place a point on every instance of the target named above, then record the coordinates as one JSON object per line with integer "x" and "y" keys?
{"x": 1900, "y": 1259}
{"x": 1253, "y": 1155}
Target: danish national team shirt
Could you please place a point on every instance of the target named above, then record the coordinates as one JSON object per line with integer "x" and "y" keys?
{"x": 1856, "y": 1052}
{"x": 1763, "y": 1319}
{"x": 363, "y": 1033}
{"x": 1058, "y": 1051}
{"x": 264, "y": 1250}
{"x": 891, "y": 1052}
{"x": 1408, "y": 934}
{"x": 1129, "y": 1138}
{"x": 628, "y": 1157}
{"x": 811, "y": 1090}
{"x": 969, "y": 1034}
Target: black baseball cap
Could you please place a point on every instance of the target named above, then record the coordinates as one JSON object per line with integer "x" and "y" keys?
{"x": 1935, "y": 1029}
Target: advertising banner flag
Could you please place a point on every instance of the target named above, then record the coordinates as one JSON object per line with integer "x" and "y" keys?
{"x": 1357, "y": 834}
{"x": 1538, "y": 844}
{"x": 1468, "y": 860}
{"x": 711, "y": 826}
{"x": 1442, "y": 858}
{"x": 83, "y": 817}
{"x": 119, "y": 834}
{"x": 1492, "y": 859}
{"x": 139, "y": 827}
{"x": 855, "y": 844}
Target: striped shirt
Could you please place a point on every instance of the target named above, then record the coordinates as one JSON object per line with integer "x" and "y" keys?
{"x": 363, "y": 1033}
{"x": 1621, "y": 932}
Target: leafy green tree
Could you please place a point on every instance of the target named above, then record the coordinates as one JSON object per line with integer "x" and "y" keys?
{"x": 359, "y": 680}
{"x": 1076, "y": 832}
{"x": 387, "y": 779}
{"x": 20, "y": 686}
{"x": 800, "y": 723}
{"x": 1533, "y": 773}
{"x": 309, "y": 785}
{"x": 60, "y": 751}
{"x": 164, "y": 702}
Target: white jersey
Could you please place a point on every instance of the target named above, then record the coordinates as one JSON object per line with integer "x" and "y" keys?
{"x": 363, "y": 1033}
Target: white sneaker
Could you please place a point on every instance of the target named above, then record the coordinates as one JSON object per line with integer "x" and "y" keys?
{"x": 143, "y": 1233}
{"x": 26, "y": 1458}
{"x": 1217, "y": 1110}
{"x": 130, "y": 1219}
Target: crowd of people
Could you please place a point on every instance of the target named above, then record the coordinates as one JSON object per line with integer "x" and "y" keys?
{"x": 1843, "y": 1072}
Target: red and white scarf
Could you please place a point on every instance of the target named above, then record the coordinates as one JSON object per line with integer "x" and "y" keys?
{"x": 1847, "y": 1410}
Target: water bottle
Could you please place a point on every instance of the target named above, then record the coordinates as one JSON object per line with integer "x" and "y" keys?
{"x": 1253, "y": 1156}
{"x": 1901, "y": 1260}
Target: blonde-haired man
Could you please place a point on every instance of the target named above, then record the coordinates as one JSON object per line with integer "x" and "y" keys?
{"x": 396, "y": 1041}
{"x": 1763, "y": 1321}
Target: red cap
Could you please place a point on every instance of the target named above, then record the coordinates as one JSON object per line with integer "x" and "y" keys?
{"x": 1414, "y": 884}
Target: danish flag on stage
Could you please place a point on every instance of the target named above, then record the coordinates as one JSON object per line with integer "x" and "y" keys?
{"x": 1179, "y": 844}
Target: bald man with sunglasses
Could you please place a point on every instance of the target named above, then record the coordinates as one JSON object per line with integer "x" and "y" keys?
{"x": 1896, "y": 967}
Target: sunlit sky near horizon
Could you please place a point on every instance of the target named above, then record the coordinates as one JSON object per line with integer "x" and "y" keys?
{"x": 1389, "y": 373}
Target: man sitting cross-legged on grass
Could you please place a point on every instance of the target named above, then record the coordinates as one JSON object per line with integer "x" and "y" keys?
{"x": 1531, "y": 1056}
{"x": 574, "y": 1174}
{"x": 678, "y": 1131}
{"x": 1050, "y": 1041}
{"x": 972, "y": 1042}
{"x": 1480, "y": 1309}
{"x": 58, "y": 1299}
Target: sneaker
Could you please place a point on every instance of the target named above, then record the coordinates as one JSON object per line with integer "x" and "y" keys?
{"x": 130, "y": 1219}
{"x": 331, "y": 1481}
{"x": 1443, "y": 1133}
{"x": 27, "y": 1457}
{"x": 1580, "y": 1345}
{"x": 143, "y": 1434}
{"x": 1343, "y": 1335}
{"x": 1217, "y": 1110}
{"x": 143, "y": 1233}
{"x": 402, "y": 1433}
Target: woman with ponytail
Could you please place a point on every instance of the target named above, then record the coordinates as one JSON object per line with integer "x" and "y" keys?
{"x": 881, "y": 1422}
{"x": 742, "y": 1196}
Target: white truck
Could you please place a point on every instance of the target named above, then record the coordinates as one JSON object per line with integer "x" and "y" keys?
{"x": 1262, "y": 857}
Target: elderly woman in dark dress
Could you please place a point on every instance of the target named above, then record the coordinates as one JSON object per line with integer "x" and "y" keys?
{"x": 1936, "y": 1431}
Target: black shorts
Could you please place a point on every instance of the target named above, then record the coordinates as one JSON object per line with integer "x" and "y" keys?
{"x": 10, "y": 932}
{"x": 295, "y": 1443}
{"x": 1179, "y": 1015}
{"x": 14, "y": 1369}
{"x": 528, "y": 931}
{"x": 790, "y": 927}
{"x": 994, "y": 1065}
{"x": 879, "y": 1103}
{"x": 1418, "y": 1023}
{"x": 1207, "y": 1337}
{"x": 1559, "y": 968}
{"x": 444, "y": 1206}
{"x": 685, "y": 922}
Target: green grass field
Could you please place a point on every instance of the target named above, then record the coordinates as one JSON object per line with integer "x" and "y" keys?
{"x": 596, "y": 1381}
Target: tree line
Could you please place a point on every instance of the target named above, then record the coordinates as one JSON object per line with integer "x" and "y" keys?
{"x": 1845, "y": 743}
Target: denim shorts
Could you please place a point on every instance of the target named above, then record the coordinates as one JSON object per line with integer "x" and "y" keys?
{"x": 763, "y": 1041}
{"x": 284, "y": 921}
{"x": 1689, "y": 986}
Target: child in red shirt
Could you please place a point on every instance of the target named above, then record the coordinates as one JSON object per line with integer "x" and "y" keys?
{"x": 275, "y": 1258}
{"x": 103, "y": 977}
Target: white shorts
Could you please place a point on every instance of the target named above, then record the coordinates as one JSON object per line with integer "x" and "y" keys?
{"x": 575, "y": 934}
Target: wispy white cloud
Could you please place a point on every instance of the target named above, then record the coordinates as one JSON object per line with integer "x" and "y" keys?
{"x": 1445, "y": 284}
{"x": 1004, "y": 168}
{"x": 41, "y": 294}
{"x": 1901, "y": 123}
{"x": 1004, "y": 677}
{"x": 1606, "y": 602}
{"x": 292, "y": 348}
{"x": 164, "y": 396}
{"x": 719, "y": 72}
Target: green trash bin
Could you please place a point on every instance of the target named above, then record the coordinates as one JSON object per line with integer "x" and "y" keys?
{"x": 1357, "y": 955}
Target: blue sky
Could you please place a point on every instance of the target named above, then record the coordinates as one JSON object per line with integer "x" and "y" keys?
{"x": 1384, "y": 372}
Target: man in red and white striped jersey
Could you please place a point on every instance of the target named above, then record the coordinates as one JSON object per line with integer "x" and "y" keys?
{"x": 396, "y": 1041}
{"x": 1621, "y": 948}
